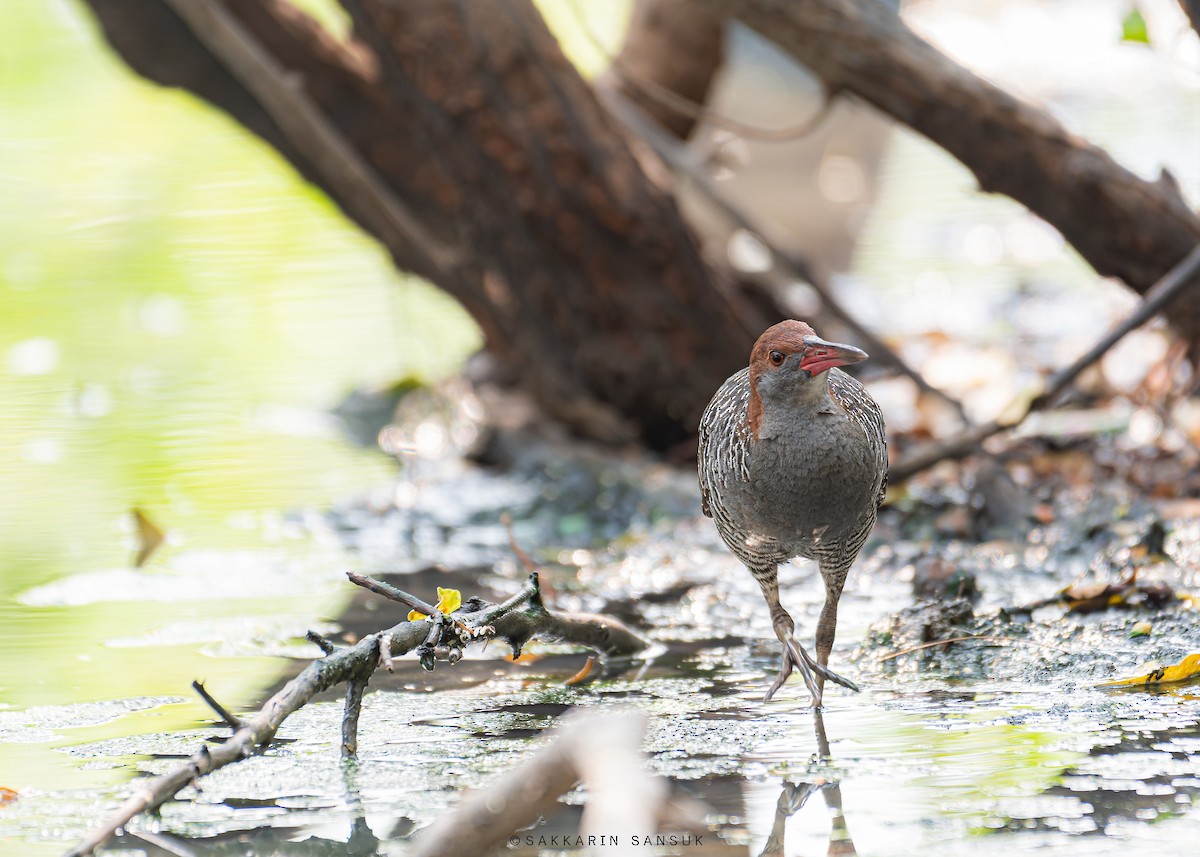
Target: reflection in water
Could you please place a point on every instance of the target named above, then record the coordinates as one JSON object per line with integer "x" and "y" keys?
{"x": 323, "y": 840}
{"x": 795, "y": 795}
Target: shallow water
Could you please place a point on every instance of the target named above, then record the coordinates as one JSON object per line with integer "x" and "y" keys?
{"x": 986, "y": 748}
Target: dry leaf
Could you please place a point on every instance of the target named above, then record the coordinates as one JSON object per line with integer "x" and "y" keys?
{"x": 1089, "y": 597}
{"x": 149, "y": 534}
{"x": 1018, "y": 408}
{"x": 1185, "y": 670}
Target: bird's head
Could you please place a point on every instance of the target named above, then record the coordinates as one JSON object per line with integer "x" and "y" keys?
{"x": 789, "y": 362}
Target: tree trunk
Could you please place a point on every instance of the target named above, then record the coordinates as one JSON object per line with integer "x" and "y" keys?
{"x": 576, "y": 266}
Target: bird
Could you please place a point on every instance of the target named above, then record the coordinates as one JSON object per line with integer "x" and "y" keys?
{"x": 792, "y": 462}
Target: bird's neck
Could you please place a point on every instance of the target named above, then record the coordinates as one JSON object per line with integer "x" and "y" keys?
{"x": 777, "y": 413}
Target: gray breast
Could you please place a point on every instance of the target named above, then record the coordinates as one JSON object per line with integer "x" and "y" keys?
{"x": 809, "y": 487}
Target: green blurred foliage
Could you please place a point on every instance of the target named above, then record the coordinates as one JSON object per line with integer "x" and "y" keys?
{"x": 1133, "y": 27}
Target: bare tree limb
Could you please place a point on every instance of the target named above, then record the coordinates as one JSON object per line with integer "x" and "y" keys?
{"x": 1170, "y": 288}
{"x": 1122, "y": 225}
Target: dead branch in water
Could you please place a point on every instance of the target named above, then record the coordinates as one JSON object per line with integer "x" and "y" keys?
{"x": 441, "y": 637}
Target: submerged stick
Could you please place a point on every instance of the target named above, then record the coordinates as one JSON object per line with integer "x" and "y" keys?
{"x": 526, "y": 617}
{"x": 1173, "y": 284}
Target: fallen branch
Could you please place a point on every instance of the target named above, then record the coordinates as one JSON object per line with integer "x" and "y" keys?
{"x": 516, "y": 621}
{"x": 1173, "y": 284}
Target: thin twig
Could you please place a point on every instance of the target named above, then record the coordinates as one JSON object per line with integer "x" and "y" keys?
{"x": 1173, "y": 284}
{"x": 231, "y": 720}
{"x": 529, "y": 592}
{"x": 584, "y": 673}
{"x": 1159, "y": 297}
{"x": 321, "y": 642}
{"x": 530, "y": 565}
{"x": 282, "y": 96}
{"x": 967, "y": 637}
{"x": 392, "y": 593}
{"x": 787, "y": 264}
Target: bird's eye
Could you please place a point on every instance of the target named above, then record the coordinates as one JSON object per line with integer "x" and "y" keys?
{"x": 777, "y": 358}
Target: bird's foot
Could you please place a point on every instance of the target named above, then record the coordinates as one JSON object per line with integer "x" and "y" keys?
{"x": 795, "y": 657}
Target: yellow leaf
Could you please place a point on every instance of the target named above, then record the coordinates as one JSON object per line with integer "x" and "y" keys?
{"x": 449, "y": 600}
{"x": 1185, "y": 670}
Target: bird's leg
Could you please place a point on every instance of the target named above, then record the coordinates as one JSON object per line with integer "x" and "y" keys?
{"x": 827, "y": 628}
{"x": 794, "y": 655}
